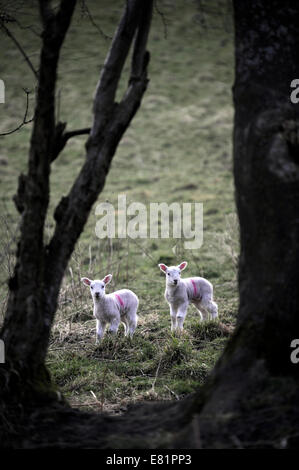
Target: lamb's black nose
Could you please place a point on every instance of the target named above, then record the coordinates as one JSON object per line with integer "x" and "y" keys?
{"x": 175, "y": 281}
{"x": 97, "y": 295}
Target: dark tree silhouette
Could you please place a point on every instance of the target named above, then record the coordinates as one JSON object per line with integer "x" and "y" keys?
{"x": 251, "y": 397}
{"x": 34, "y": 287}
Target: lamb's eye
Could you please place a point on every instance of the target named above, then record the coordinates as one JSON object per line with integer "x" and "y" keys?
{"x": 103, "y": 287}
{"x": 91, "y": 287}
{"x": 168, "y": 274}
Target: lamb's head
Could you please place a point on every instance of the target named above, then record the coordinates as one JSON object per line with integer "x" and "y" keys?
{"x": 97, "y": 287}
{"x": 173, "y": 273}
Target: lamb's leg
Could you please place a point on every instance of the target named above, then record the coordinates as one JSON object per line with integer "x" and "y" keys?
{"x": 202, "y": 313}
{"x": 126, "y": 325}
{"x": 132, "y": 326}
{"x": 182, "y": 312}
{"x": 211, "y": 307}
{"x": 131, "y": 320}
{"x": 114, "y": 326}
{"x": 205, "y": 313}
{"x": 100, "y": 330}
{"x": 213, "y": 310}
{"x": 173, "y": 316}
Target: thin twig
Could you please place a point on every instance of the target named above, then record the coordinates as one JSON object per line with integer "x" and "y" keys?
{"x": 25, "y": 120}
{"x": 31, "y": 27}
{"x": 12, "y": 37}
{"x": 163, "y": 18}
{"x": 85, "y": 10}
{"x": 172, "y": 392}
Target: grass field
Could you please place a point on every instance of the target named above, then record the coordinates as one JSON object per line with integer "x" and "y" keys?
{"x": 178, "y": 149}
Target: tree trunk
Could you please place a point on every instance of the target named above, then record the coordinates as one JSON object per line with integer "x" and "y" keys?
{"x": 26, "y": 325}
{"x": 251, "y": 398}
{"x": 267, "y": 176}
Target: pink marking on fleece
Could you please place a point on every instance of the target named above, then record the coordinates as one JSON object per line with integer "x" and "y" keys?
{"x": 194, "y": 288}
{"x": 120, "y": 300}
{"x": 195, "y": 291}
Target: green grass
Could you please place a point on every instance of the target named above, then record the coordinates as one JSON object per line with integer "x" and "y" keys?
{"x": 177, "y": 149}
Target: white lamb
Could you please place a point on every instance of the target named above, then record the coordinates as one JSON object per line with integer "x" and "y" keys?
{"x": 180, "y": 293}
{"x": 119, "y": 306}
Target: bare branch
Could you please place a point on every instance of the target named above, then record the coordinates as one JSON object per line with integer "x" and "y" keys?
{"x": 138, "y": 61}
{"x": 14, "y": 39}
{"x": 25, "y": 120}
{"x": 107, "y": 85}
{"x": 70, "y": 134}
{"x": 30, "y": 27}
{"x": 138, "y": 78}
{"x": 62, "y": 138}
{"x": 163, "y": 18}
{"x": 85, "y": 11}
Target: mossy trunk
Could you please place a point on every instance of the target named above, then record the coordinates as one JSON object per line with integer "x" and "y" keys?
{"x": 251, "y": 398}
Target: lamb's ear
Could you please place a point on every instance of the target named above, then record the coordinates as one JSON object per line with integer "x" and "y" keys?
{"x": 86, "y": 281}
{"x": 163, "y": 267}
{"x": 107, "y": 278}
{"x": 183, "y": 265}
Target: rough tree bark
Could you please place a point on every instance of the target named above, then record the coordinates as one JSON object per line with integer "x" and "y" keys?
{"x": 252, "y": 396}
{"x": 39, "y": 269}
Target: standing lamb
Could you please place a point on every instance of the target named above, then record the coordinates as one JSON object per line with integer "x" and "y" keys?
{"x": 119, "y": 306}
{"x": 180, "y": 293}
